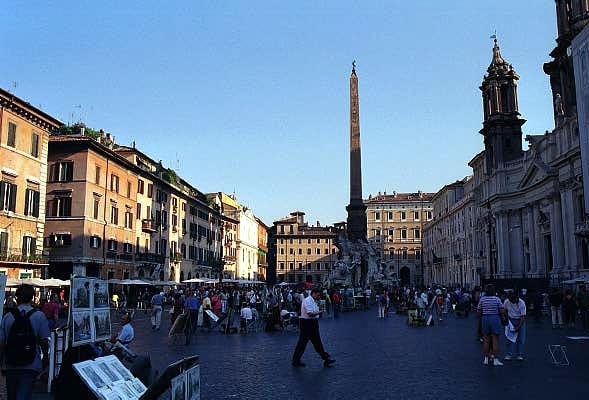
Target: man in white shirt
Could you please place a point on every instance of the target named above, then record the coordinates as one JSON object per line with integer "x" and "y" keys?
{"x": 126, "y": 334}
{"x": 246, "y": 316}
{"x": 309, "y": 330}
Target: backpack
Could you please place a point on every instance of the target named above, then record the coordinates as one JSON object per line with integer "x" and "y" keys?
{"x": 21, "y": 344}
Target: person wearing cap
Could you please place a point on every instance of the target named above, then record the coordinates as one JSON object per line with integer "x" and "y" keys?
{"x": 309, "y": 330}
{"x": 157, "y": 303}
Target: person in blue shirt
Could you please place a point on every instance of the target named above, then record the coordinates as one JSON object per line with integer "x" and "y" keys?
{"x": 191, "y": 306}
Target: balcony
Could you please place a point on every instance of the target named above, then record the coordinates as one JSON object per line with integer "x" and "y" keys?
{"x": 149, "y": 257}
{"x": 148, "y": 226}
{"x": 176, "y": 258}
{"x": 15, "y": 256}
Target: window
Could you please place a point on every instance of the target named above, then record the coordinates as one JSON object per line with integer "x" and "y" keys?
{"x": 62, "y": 171}
{"x": 61, "y": 207}
{"x": 60, "y": 240}
{"x": 164, "y": 219}
{"x": 3, "y": 243}
{"x": 29, "y": 246}
{"x": 11, "y": 141}
{"x": 291, "y": 250}
{"x": 390, "y": 215}
{"x": 32, "y": 198}
{"x": 112, "y": 245}
{"x": 377, "y": 216}
{"x": 138, "y": 211}
{"x": 35, "y": 144}
{"x": 281, "y": 265}
{"x": 317, "y": 251}
{"x": 429, "y": 215}
{"x": 164, "y": 247}
{"x": 97, "y": 175}
{"x": 150, "y": 190}
{"x": 300, "y": 251}
{"x": 282, "y": 250}
{"x": 183, "y": 250}
{"x": 309, "y": 251}
{"x": 416, "y": 215}
{"x": 281, "y": 228}
{"x": 96, "y": 207}
{"x": 128, "y": 189}
{"x": 417, "y": 234}
{"x": 326, "y": 251}
{"x": 404, "y": 254}
{"x": 95, "y": 242}
{"x": 114, "y": 215}
{"x": 404, "y": 233}
{"x": 114, "y": 183}
{"x": 127, "y": 248}
{"x": 140, "y": 186}
{"x": 391, "y": 232}
{"x": 291, "y": 266}
{"x": 128, "y": 220}
{"x": 417, "y": 254}
{"x": 403, "y": 216}
{"x": 300, "y": 266}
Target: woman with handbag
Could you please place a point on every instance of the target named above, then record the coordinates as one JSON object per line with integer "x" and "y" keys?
{"x": 492, "y": 313}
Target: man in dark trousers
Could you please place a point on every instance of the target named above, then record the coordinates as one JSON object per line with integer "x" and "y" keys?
{"x": 309, "y": 330}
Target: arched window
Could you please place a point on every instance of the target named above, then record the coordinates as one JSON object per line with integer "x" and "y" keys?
{"x": 189, "y": 276}
{"x": 181, "y": 276}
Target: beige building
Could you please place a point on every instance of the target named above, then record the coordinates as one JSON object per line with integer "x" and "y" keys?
{"x": 113, "y": 212}
{"x": 262, "y": 249}
{"x": 395, "y": 224}
{"x": 229, "y": 208}
{"x": 24, "y": 133}
{"x": 451, "y": 254}
{"x": 303, "y": 252}
{"x": 179, "y": 226}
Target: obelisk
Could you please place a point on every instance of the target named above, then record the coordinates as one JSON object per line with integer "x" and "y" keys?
{"x": 356, "y": 209}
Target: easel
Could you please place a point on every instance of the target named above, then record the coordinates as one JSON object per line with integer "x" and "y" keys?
{"x": 559, "y": 355}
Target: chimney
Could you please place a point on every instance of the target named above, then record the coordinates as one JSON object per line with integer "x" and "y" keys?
{"x": 318, "y": 224}
{"x": 385, "y": 193}
{"x": 394, "y": 193}
{"x": 82, "y": 131}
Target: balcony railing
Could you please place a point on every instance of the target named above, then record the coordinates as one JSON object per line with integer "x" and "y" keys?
{"x": 16, "y": 256}
{"x": 148, "y": 226}
{"x": 149, "y": 257}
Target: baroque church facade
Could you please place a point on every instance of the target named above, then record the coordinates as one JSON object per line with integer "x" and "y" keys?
{"x": 528, "y": 209}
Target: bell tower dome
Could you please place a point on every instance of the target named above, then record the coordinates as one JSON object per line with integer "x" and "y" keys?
{"x": 502, "y": 121}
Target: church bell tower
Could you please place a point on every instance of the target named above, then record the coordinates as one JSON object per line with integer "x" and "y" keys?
{"x": 502, "y": 121}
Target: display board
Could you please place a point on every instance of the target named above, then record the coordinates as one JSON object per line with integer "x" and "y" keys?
{"x": 90, "y": 312}
{"x": 186, "y": 386}
{"x": 109, "y": 379}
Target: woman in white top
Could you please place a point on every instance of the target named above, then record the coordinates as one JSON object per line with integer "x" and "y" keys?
{"x": 516, "y": 312}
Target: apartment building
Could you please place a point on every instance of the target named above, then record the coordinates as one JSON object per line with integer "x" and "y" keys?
{"x": 24, "y": 133}
{"x": 395, "y": 224}
{"x": 299, "y": 252}
{"x": 180, "y": 227}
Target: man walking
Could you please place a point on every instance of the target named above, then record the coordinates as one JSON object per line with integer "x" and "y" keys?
{"x": 309, "y": 330}
{"x": 20, "y": 328}
{"x": 157, "y": 302}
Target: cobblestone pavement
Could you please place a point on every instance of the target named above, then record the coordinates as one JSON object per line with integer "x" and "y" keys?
{"x": 376, "y": 359}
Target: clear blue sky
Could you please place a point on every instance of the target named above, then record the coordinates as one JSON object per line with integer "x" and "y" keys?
{"x": 252, "y": 97}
